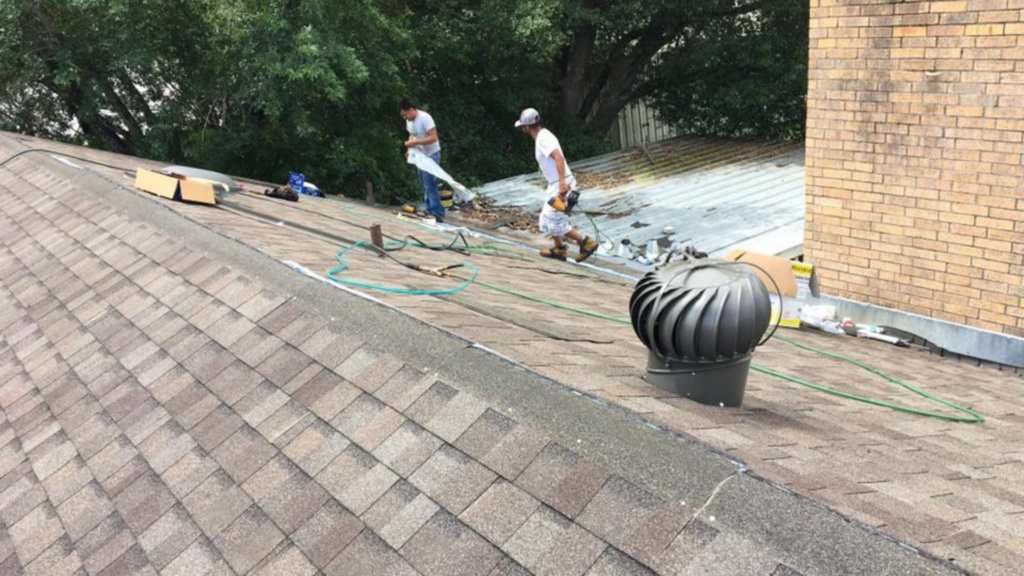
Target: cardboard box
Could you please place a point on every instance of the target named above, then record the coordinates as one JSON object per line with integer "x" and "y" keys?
{"x": 789, "y": 283}
{"x": 175, "y": 187}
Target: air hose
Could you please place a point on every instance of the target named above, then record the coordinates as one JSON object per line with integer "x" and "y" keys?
{"x": 597, "y": 231}
{"x": 972, "y": 416}
{"x": 969, "y": 416}
{"x": 343, "y": 266}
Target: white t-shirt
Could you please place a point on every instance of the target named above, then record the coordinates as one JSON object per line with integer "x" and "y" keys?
{"x": 545, "y": 146}
{"x": 419, "y": 128}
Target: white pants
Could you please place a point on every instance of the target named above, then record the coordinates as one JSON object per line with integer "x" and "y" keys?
{"x": 552, "y": 222}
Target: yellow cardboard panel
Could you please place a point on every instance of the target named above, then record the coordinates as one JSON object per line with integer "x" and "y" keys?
{"x": 156, "y": 183}
{"x": 769, "y": 268}
{"x": 197, "y": 191}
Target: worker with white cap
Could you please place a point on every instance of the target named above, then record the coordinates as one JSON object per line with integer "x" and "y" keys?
{"x": 561, "y": 192}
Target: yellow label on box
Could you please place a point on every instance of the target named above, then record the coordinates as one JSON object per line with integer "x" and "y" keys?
{"x": 801, "y": 269}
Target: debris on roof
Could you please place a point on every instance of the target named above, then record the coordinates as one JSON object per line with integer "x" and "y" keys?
{"x": 79, "y": 274}
{"x": 485, "y": 210}
{"x": 717, "y": 194}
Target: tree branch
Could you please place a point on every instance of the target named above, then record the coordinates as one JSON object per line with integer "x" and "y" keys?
{"x": 115, "y": 101}
{"x": 46, "y": 20}
{"x": 138, "y": 100}
{"x": 612, "y": 87}
{"x": 740, "y": 10}
{"x": 73, "y": 96}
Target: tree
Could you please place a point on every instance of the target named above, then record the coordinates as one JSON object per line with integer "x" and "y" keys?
{"x": 477, "y": 63}
{"x": 57, "y": 72}
{"x": 742, "y": 76}
{"x": 262, "y": 87}
{"x": 307, "y": 86}
{"x": 245, "y": 86}
{"x": 615, "y": 43}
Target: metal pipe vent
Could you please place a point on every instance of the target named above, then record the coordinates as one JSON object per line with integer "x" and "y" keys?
{"x": 701, "y": 322}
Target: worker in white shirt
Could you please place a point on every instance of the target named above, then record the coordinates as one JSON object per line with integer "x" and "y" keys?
{"x": 561, "y": 192}
{"x": 423, "y": 137}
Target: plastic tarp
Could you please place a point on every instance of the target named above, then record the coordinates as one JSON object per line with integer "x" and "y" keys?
{"x": 425, "y": 163}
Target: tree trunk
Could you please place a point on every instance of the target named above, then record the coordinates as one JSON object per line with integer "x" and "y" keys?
{"x": 136, "y": 97}
{"x": 614, "y": 90}
{"x": 615, "y": 95}
{"x": 577, "y": 64}
{"x": 94, "y": 126}
{"x": 115, "y": 101}
{"x": 101, "y": 131}
{"x": 47, "y": 21}
{"x": 600, "y": 92}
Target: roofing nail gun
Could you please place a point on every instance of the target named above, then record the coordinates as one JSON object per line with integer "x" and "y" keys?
{"x": 565, "y": 204}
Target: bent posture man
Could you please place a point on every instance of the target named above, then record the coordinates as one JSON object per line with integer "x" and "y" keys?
{"x": 561, "y": 191}
{"x": 423, "y": 137}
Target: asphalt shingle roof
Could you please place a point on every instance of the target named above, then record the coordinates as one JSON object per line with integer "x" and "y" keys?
{"x": 168, "y": 411}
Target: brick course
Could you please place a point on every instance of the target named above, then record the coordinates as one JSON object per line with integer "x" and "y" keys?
{"x": 915, "y": 138}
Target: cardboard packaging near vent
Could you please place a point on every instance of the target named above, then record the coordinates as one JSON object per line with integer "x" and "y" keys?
{"x": 795, "y": 280}
{"x": 175, "y": 187}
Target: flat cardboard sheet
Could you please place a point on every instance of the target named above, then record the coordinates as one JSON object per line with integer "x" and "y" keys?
{"x": 175, "y": 187}
{"x": 795, "y": 281}
{"x": 779, "y": 269}
{"x": 156, "y": 183}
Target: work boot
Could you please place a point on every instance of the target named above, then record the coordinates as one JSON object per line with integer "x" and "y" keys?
{"x": 587, "y": 247}
{"x": 559, "y": 253}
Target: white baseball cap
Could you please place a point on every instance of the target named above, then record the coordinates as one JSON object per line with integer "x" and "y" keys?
{"x": 528, "y": 117}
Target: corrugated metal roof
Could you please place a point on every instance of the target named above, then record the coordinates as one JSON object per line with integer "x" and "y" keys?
{"x": 718, "y": 194}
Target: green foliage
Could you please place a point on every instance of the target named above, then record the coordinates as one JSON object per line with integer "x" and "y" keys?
{"x": 478, "y": 63}
{"x": 262, "y": 87}
{"x": 251, "y": 87}
{"x": 309, "y": 89}
{"x": 743, "y": 76}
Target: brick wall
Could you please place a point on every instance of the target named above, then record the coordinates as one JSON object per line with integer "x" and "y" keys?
{"x": 915, "y": 136}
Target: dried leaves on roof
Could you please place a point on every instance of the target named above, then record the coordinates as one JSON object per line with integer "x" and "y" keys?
{"x": 484, "y": 210}
{"x": 594, "y": 180}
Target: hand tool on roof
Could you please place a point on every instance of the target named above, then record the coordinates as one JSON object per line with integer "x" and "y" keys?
{"x": 565, "y": 203}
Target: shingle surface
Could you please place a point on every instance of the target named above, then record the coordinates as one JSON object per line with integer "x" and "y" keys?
{"x": 165, "y": 411}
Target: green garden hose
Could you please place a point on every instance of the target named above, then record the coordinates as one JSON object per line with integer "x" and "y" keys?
{"x": 343, "y": 266}
{"x": 971, "y": 417}
{"x": 549, "y": 302}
